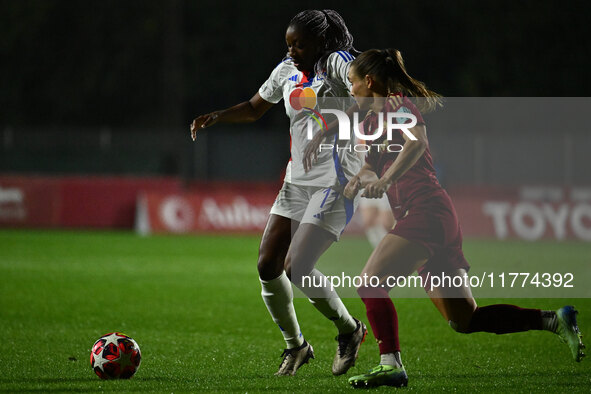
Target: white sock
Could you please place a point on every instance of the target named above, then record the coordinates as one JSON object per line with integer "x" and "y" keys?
{"x": 329, "y": 304}
{"x": 375, "y": 234}
{"x": 549, "y": 321}
{"x": 392, "y": 359}
{"x": 278, "y": 296}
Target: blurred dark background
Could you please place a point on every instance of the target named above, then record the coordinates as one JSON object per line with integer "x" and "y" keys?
{"x": 110, "y": 87}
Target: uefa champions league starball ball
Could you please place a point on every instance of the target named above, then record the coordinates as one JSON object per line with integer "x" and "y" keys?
{"x": 115, "y": 356}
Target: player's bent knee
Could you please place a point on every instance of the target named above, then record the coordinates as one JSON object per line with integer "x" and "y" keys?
{"x": 296, "y": 268}
{"x": 462, "y": 324}
{"x": 287, "y": 266}
{"x": 296, "y": 274}
{"x": 269, "y": 267}
{"x": 461, "y": 328}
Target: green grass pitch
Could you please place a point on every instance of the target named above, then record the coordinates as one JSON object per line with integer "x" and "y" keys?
{"x": 193, "y": 305}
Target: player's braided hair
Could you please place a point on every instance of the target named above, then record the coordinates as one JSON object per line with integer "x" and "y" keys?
{"x": 387, "y": 67}
{"x": 330, "y": 27}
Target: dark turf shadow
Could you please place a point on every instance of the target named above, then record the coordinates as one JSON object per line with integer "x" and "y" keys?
{"x": 59, "y": 383}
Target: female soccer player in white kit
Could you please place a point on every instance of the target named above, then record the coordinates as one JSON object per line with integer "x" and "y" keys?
{"x": 310, "y": 212}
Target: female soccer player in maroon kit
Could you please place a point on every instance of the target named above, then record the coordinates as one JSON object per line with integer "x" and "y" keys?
{"x": 427, "y": 236}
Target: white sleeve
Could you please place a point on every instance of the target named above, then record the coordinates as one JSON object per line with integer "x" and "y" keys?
{"x": 338, "y": 65}
{"x": 272, "y": 89}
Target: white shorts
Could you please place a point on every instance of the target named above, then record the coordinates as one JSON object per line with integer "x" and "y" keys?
{"x": 380, "y": 203}
{"x": 323, "y": 206}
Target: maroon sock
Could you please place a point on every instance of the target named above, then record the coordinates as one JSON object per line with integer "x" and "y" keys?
{"x": 382, "y": 318}
{"x": 503, "y": 319}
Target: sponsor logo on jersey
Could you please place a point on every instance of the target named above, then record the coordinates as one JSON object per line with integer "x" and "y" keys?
{"x": 304, "y": 99}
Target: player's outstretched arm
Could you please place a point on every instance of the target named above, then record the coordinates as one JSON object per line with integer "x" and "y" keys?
{"x": 245, "y": 112}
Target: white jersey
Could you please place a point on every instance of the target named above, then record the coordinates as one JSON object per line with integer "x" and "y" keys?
{"x": 284, "y": 79}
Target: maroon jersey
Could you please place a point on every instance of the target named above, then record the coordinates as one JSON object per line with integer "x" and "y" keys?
{"x": 420, "y": 180}
{"x": 423, "y": 210}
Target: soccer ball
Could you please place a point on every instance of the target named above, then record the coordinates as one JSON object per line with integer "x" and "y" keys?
{"x": 115, "y": 356}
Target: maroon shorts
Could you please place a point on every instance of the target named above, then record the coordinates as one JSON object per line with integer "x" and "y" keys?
{"x": 431, "y": 221}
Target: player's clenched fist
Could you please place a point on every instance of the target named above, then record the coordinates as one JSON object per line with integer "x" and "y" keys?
{"x": 202, "y": 122}
{"x": 352, "y": 188}
{"x": 376, "y": 189}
